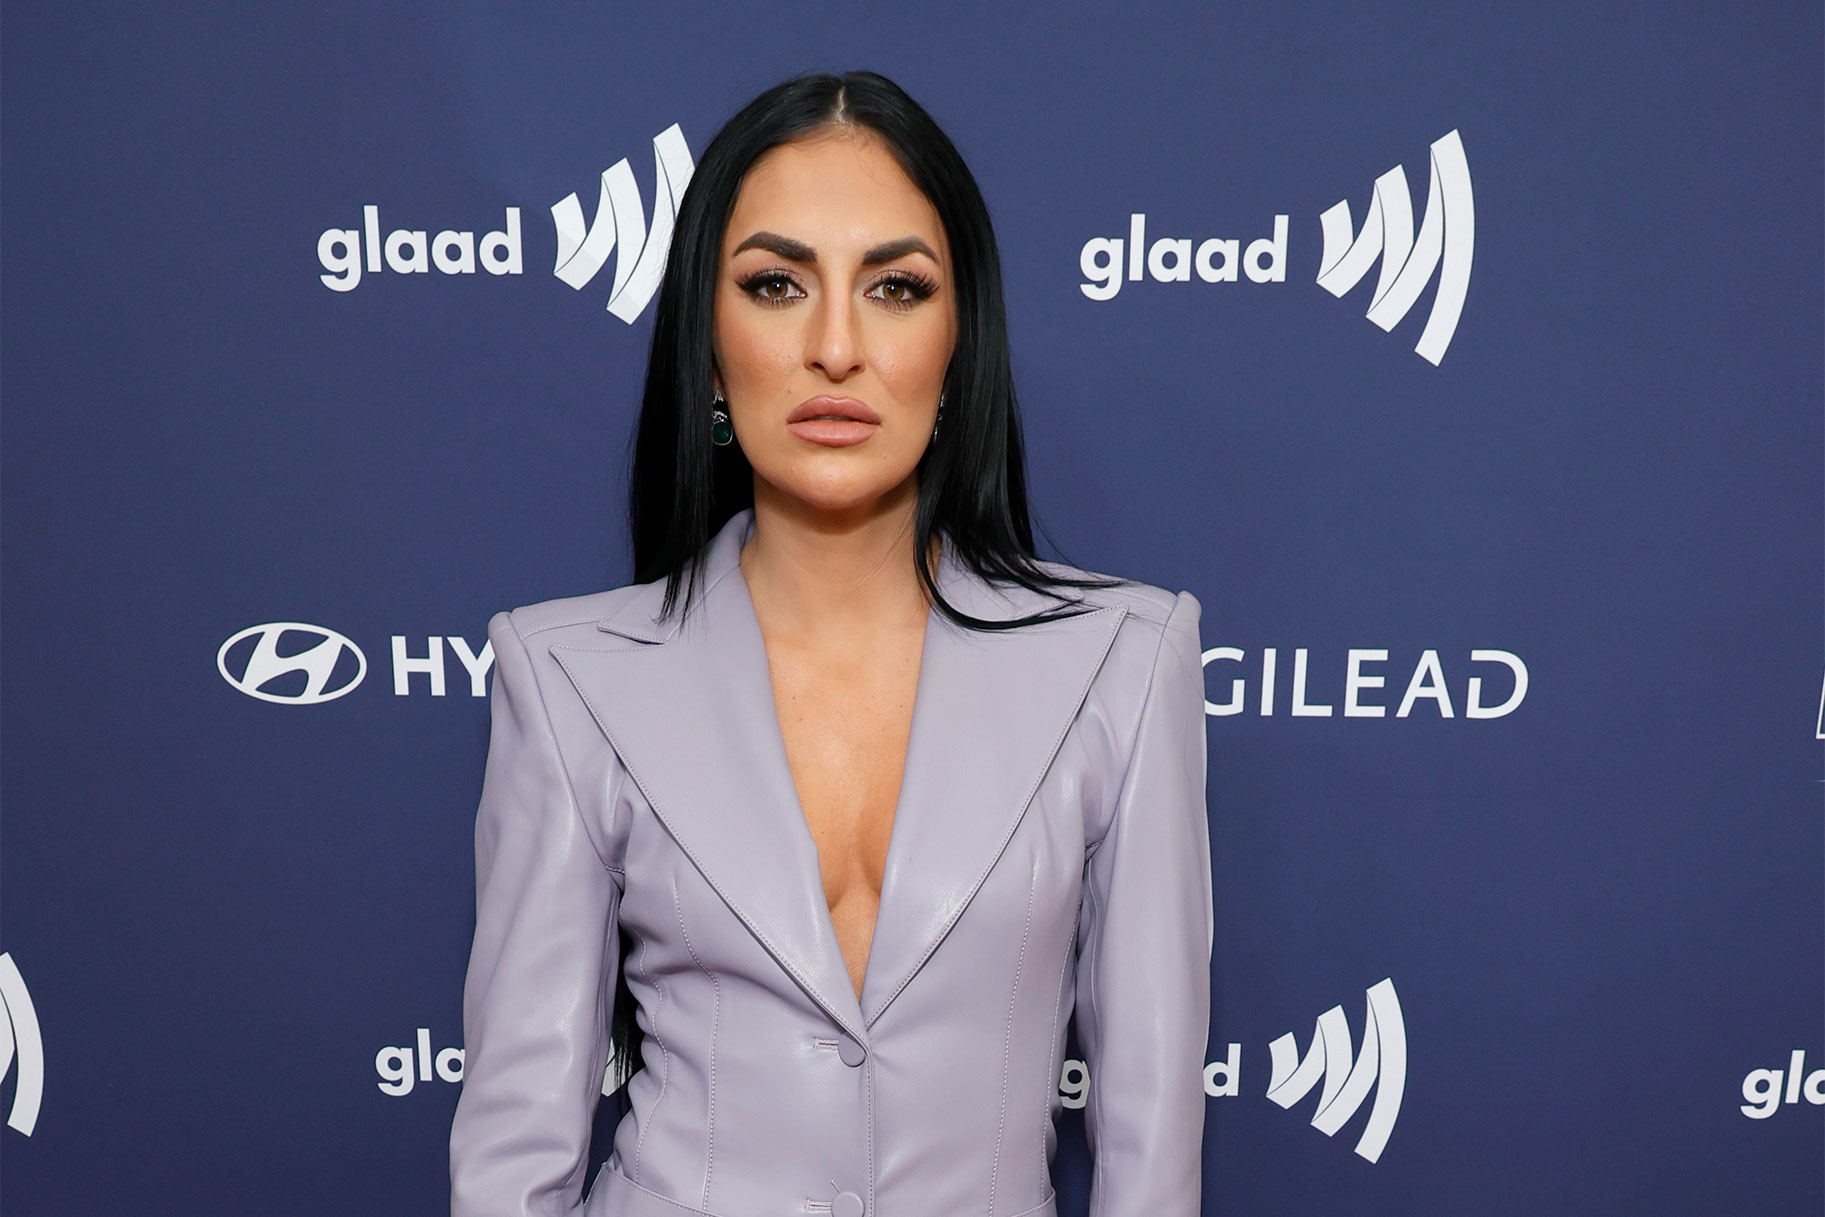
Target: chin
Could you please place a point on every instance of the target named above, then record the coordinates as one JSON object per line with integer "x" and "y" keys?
{"x": 843, "y": 492}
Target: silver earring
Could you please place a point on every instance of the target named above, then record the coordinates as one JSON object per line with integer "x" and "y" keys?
{"x": 940, "y": 416}
{"x": 721, "y": 429}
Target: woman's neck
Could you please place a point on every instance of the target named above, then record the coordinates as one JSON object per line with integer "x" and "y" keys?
{"x": 815, "y": 574}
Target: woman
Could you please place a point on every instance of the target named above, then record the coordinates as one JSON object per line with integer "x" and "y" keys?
{"x": 845, "y": 834}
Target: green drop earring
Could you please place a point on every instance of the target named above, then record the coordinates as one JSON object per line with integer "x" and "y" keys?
{"x": 721, "y": 429}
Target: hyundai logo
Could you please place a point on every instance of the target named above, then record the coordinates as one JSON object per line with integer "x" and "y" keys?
{"x": 318, "y": 662}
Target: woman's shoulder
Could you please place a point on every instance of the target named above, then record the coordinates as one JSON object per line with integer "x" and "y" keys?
{"x": 1158, "y": 632}
{"x": 1145, "y": 602}
{"x": 577, "y": 613}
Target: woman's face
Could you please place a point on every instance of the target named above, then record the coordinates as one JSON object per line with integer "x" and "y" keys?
{"x": 833, "y": 297}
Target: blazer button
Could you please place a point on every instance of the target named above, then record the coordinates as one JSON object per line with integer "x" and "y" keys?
{"x": 853, "y": 1054}
{"x": 846, "y": 1204}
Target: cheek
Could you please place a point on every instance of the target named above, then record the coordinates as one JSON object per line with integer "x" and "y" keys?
{"x": 912, "y": 356}
{"x": 752, "y": 348}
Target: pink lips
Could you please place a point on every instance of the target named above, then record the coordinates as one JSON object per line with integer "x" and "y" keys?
{"x": 833, "y": 421}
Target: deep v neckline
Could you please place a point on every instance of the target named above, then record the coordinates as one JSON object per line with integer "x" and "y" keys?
{"x": 680, "y": 700}
{"x": 803, "y": 822}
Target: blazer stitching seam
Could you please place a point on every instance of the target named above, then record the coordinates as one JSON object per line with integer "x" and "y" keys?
{"x": 556, "y": 625}
{"x": 1121, "y": 611}
{"x": 665, "y": 1057}
{"x": 873, "y": 1130}
{"x": 772, "y": 949}
{"x": 682, "y": 1208}
{"x": 715, "y": 1021}
{"x": 1052, "y": 1065}
{"x": 1093, "y": 1112}
{"x": 1092, "y": 1033}
{"x": 1007, "y": 1044}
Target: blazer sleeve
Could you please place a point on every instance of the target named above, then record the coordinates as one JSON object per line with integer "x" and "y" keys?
{"x": 541, "y": 971}
{"x": 1143, "y": 968}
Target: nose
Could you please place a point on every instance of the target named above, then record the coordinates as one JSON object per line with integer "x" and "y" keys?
{"x": 833, "y": 347}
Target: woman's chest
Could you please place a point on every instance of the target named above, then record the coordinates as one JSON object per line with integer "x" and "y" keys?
{"x": 845, "y": 717}
{"x": 1016, "y": 871}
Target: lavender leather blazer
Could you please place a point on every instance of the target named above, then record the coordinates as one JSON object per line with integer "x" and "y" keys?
{"x": 1049, "y": 857}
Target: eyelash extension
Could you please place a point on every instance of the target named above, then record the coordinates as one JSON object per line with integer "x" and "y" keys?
{"x": 918, "y": 286}
{"x": 751, "y": 285}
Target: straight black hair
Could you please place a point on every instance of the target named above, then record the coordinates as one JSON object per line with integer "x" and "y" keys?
{"x": 972, "y": 479}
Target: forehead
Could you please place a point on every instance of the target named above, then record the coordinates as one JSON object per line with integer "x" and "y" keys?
{"x": 837, "y": 190}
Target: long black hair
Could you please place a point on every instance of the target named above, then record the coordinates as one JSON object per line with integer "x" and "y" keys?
{"x": 972, "y": 477}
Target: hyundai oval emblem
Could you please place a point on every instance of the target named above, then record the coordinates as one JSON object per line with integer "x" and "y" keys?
{"x": 318, "y": 663}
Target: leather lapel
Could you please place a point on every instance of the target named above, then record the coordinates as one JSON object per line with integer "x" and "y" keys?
{"x": 694, "y": 723}
{"x": 689, "y": 709}
{"x": 992, "y": 711}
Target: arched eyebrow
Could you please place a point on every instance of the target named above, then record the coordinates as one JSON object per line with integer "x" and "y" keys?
{"x": 798, "y": 251}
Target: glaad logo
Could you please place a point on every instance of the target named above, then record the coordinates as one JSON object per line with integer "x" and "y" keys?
{"x": 20, "y": 1042}
{"x": 583, "y": 249}
{"x": 1171, "y": 260}
{"x": 1447, "y": 235}
{"x": 320, "y": 663}
{"x": 1347, "y": 1082}
{"x": 409, "y": 252}
{"x": 1763, "y": 1092}
{"x": 301, "y": 665}
{"x": 1347, "y": 1076}
{"x": 621, "y": 220}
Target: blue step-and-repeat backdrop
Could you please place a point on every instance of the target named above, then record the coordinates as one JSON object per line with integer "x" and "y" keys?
{"x": 1467, "y": 362}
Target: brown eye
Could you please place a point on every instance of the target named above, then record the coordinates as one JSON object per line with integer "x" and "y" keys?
{"x": 902, "y": 291}
{"x": 771, "y": 287}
